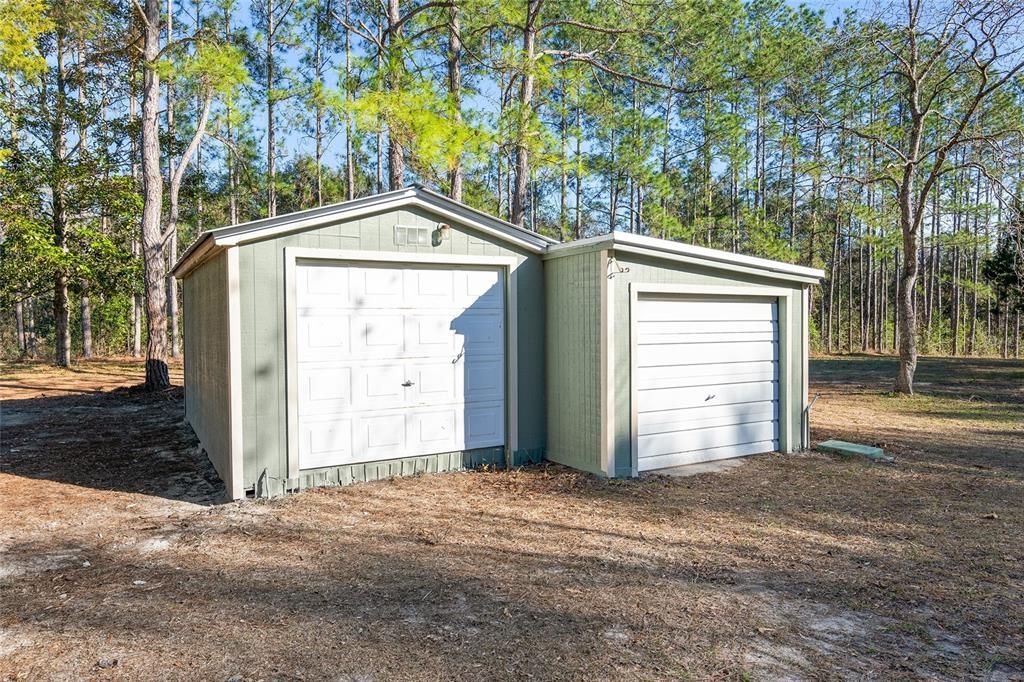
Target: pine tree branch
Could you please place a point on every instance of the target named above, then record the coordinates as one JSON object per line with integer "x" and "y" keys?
{"x": 588, "y": 58}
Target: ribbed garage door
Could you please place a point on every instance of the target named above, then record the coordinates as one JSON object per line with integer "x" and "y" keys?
{"x": 397, "y": 361}
{"x": 707, "y": 379}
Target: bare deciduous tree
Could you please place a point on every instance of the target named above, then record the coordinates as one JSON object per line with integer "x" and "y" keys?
{"x": 948, "y": 62}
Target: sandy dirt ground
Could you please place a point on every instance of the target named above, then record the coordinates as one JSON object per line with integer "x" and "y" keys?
{"x": 119, "y": 559}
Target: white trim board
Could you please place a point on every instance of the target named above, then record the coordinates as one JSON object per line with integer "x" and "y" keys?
{"x": 626, "y": 242}
{"x": 236, "y": 487}
{"x": 606, "y": 345}
{"x": 294, "y": 254}
{"x": 805, "y": 352}
{"x": 784, "y": 297}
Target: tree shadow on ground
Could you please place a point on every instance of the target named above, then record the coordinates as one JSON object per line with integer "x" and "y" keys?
{"x": 569, "y": 577}
{"x": 124, "y": 439}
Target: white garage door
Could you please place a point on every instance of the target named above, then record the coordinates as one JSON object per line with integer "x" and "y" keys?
{"x": 398, "y": 361}
{"x": 707, "y": 379}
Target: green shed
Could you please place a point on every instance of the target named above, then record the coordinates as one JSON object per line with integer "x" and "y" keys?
{"x": 407, "y": 333}
{"x": 662, "y": 354}
{"x": 395, "y": 334}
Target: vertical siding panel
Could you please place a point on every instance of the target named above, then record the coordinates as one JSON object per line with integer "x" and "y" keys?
{"x": 248, "y": 312}
{"x": 370, "y": 238}
{"x": 207, "y": 357}
{"x": 267, "y": 283}
{"x": 573, "y": 326}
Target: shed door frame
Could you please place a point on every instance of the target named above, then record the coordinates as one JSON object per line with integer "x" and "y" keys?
{"x": 782, "y": 296}
{"x": 507, "y": 264}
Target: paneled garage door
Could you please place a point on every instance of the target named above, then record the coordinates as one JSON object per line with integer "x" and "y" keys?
{"x": 707, "y": 379}
{"x": 397, "y": 361}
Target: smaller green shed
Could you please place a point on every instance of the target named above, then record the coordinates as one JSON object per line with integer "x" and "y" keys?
{"x": 663, "y": 354}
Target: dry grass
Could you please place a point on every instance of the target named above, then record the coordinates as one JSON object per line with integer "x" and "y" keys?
{"x": 116, "y": 563}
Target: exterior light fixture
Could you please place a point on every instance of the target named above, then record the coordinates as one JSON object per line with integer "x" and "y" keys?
{"x": 441, "y": 233}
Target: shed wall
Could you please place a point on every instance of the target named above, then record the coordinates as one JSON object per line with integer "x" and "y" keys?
{"x": 655, "y": 271}
{"x": 262, "y": 286}
{"x": 573, "y": 314}
{"x": 206, "y": 346}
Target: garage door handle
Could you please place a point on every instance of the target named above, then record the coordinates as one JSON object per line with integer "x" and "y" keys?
{"x": 407, "y": 383}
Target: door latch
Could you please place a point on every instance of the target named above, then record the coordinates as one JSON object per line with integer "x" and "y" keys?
{"x": 407, "y": 383}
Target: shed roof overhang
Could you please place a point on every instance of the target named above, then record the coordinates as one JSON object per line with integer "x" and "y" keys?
{"x": 678, "y": 252}
{"x": 213, "y": 241}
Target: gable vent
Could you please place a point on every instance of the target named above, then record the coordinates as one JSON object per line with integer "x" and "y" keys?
{"x": 408, "y": 235}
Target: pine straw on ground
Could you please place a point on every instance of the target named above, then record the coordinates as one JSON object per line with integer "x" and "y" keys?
{"x": 117, "y": 560}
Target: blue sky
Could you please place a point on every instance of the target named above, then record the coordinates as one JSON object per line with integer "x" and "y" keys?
{"x": 296, "y": 142}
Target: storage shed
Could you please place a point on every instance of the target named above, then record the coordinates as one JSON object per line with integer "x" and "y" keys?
{"x": 405, "y": 333}
{"x": 662, "y": 354}
{"x": 394, "y": 334}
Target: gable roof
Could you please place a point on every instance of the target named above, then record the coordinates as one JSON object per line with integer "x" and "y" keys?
{"x": 212, "y": 241}
{"x": 688, "y": 253}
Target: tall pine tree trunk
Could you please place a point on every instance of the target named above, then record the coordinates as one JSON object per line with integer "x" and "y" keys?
{"x": 172, "y": 239}
{"x": 455, "y": 178}
{"x": 86, "y": 314}
{"x": 350, "y": 165}
{"x": 58, "y": 132}
{"x": 271, "y": 128}
{"x": 152, "y": 183}
{"x": 526, "y": 87}
{"x": 30, "y": 328}
{"x": 19, "y": 325}
{"x": 85, "y": 306}
{"x": 578, "y": 179}
{"x": 393, "y": 79}
{"x": 318, "y": 105}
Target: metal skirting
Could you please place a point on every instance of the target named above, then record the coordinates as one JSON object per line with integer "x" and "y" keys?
{"x": 366, "y": 472}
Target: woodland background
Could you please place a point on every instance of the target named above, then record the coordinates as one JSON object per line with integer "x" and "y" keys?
{"x": 760, "y": 127}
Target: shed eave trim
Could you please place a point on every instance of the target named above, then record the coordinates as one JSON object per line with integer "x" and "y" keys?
{"x": 420, "y": 198}
{"x": 697, "y": 255}
{"x": 200, "y": 251}
{"x": 698, "y": 261}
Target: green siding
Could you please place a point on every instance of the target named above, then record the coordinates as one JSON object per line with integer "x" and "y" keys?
{"x": 657, "y": 271}
{"x": 574, "y": 363}
{"x": 264, "y": 388}
{"x": 574, "y": 360}
{"x": 205, "y": 334}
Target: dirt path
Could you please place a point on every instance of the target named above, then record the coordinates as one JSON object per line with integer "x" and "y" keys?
{"x": 117, "y": 562}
